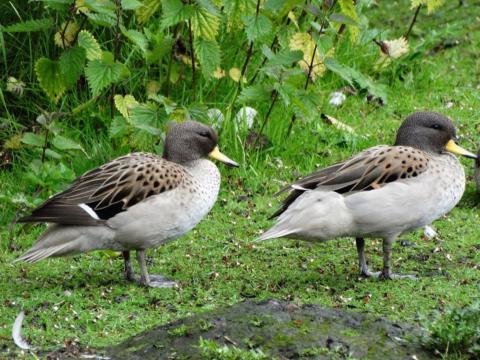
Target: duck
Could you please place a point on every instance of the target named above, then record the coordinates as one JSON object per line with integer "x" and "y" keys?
{"x": 135, "y": 202}
{"x": 381, "y": 192}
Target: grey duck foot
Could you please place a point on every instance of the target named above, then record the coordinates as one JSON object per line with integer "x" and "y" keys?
{"x": 387, "y": 275}
{"x": 155, "y": 281}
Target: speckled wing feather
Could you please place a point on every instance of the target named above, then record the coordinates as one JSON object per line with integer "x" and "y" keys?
{"x": 110, "y": 189}
{"x": 369, "y": 170}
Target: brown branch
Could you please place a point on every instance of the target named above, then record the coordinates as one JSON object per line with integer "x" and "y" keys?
{"x": 414, "y": 19}
{"x": 249, "y": 51}
{"x": 274, "y": 100}
{"x": 116, "y": 51}
{"x": 192, "y": 55}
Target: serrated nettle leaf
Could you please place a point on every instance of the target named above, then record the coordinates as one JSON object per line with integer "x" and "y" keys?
{"x": 107, "y": 57}
{"x": 354, "y": 77}
{"x": 208, "y": 54}
{"x": 52, "y": 154}
{"x": 234, "y": 9}
{"x": 274, "y": 5}
{"x": 342, "y": 19}
{"x": 101, "y": 19}
{"x": 72, "y": 62}
{"x": 285, "y": 58}
{"x": 257, "y": 27}
{"x": 169, "y": 105}
{"x": 106, "y": 7}
{"x": 174, "y": 12}
{"x": 131, "y": 4}
{"x": 197, "y": 112}
{"x": 100, "y": 75}
{"x": 50, "y": 78}
{"x": 432, "y": 5}
{"x": 267, "y": 52}
{"x": 29, "y": 26}
{"x": 149, "y": 8}
{"x": 33, "y": 139}
{"x": 146, "y": 117}
{"x": 255, "y": 93}
{"x": 205, "y": 24}
{"x": 125, "y": 104}
{"x": 90, "y": 44}
{"x": 66, "y": 34}
{"x": 63, "y": 143}
{"x": 347, "y": 7}
{"x": 118, "y": 127}
{"x": 137, "y": 38}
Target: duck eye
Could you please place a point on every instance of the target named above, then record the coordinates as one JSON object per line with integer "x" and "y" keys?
{"x": 204, "y": 134}
{"x": 436, "y": 127}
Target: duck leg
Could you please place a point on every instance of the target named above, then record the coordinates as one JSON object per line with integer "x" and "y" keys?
{"x": 362, "y": 262}
{"x": 128, "y": 266}
{"x": 387, "y": 251}
{"x": 145, "y": 279}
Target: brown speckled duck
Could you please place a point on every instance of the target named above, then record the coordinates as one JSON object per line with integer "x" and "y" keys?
{"x": 383, "y": 191}
{"x": 135, "y": 202}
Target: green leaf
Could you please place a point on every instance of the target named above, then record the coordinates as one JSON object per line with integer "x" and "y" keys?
{"x": 257, "y": 27}
{"x": 256, "y": 93}
{"x": 125, "y": 104}
{"x": 347, "y": 8}
{"x": 205, "y": 24}
{"x": 63, "y": 143}
{"x": 235, "y": 9}
{"x": 101, "y": 74}
{"x": 137, "y": 38}
{"x": 342, "y": 19}
{"x": 29, "y": 26}
{"x": 145, "y": 117}
{"x": 119, "y": 127}
{"x": 106, "y": 7}
{"x": 50, "y": 78}
{"x": 101, "y": 19}
{"x": 174, "y": 11}
{"x": 353, "y": 77}
{"x": 52, "y": 154}
{"x": 432, "y": 5}
{"x": 282, "y": 58}
{"x": 72, "y": 62}
{"x": 90, "y": 44}
{"x": 149, "y": 8}
{"x": 131, "y": 4}
{"x": 33, "y": 139}
{"x": 208, "y": 54}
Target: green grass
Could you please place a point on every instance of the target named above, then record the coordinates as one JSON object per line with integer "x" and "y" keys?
{"x": 218, "y": 263}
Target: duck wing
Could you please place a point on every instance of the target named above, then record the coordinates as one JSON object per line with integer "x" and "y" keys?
{"x": 368, "y": 170}
{"x": 101, "y": 193}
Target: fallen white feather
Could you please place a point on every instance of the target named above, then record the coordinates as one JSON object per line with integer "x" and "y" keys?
{"x": 216, "y": 117}
{"x": 429, "y": 232}
{"x": 17, "y": 332}
{"x": 330, "y": 120}
{"x": 246, "y": 114}
{"x": 337, "y": 98}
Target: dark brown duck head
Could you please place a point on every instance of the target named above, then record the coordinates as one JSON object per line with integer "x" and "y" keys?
{"x": 430, "y": 132}
{"x": 190, "y": 140}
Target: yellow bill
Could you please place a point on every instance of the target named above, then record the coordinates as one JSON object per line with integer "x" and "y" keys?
{"x": 454, "y": 148}
{"x": 217, "y": 155}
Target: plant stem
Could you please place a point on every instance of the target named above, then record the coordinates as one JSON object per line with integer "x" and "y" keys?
{"x": 45, "y": 144}
{"x": 249, "y": 51}
{"x": 413, "y": 21}
{"x": 274, "y": 100}
{"x": 116, "y": 52}
{"x": 192, "y": 54}
{"x": 307, "y": 81}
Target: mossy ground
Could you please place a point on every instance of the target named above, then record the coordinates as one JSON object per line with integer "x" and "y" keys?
{"x": 218, "y": 263}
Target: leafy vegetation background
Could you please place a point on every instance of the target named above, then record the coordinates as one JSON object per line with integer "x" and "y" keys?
{"x": 84, "y": 81}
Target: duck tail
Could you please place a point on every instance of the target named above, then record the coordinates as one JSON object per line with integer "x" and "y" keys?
{"x": 274, "y": 233}
{"x": 61, "y": 240}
